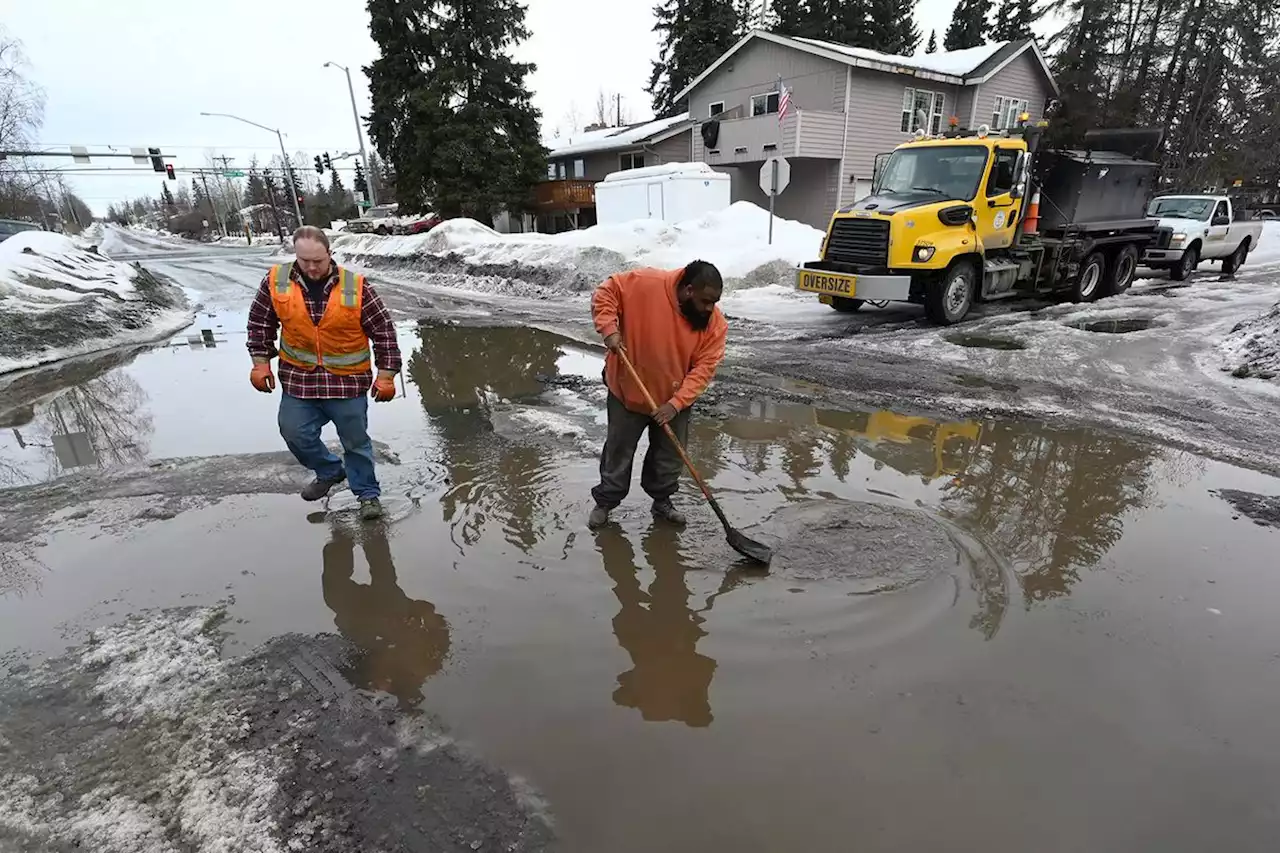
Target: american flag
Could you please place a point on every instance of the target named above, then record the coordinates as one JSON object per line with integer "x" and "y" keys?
{"x": 784, "y": 100}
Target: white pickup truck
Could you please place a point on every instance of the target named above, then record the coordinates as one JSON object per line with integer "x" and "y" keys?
{"x": 1204, "y": 228}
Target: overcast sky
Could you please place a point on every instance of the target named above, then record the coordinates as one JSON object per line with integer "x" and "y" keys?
{"x": 140, "y": 72}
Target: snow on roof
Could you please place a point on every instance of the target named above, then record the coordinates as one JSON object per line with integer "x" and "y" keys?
{"x": 611, "y": 138}
{"x": 958, "y": 63}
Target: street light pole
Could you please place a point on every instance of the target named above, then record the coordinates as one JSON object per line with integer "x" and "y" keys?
{"x": 293, "y": 184}
{"x": 355, "y": 114}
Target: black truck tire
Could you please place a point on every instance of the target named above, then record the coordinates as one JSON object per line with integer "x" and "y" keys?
{"x": 948, "y": 299}
{"x": 1236, "y": 259}
{"x": 1120, "y": 275}
{"x": 1089, "y": 282}
{"x": 1182, "y": 270}
{"x": 845, "y": 305}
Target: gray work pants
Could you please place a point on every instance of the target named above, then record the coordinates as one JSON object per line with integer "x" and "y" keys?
{"x": 660, "y": 473}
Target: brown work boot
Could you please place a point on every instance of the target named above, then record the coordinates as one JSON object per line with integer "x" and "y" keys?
{"x": 665, "y": 510}
{"x": 599, "y": 518}
{"x": 318, "y": 489}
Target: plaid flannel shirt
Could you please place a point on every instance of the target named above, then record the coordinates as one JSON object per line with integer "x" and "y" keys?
{"x": 320, "y": 384}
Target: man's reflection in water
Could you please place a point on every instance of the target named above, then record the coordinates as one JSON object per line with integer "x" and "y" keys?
{"x": 403, "y": 642}
{"x": 668, "y": 680}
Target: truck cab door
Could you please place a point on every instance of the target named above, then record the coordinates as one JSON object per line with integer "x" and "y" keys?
{"x": 996, "y": 208}
{"x": 1215, "y": 245}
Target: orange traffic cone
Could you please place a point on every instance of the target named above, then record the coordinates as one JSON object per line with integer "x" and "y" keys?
{"x": 1031, "y": 221}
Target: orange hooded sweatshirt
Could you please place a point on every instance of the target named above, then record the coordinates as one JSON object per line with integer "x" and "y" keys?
{"x": 675, "y": 361}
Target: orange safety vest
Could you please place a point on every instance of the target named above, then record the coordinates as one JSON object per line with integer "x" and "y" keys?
{"x": 338, "y": 344}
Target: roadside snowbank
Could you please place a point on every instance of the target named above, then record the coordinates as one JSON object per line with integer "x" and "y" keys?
{"x": 118, "y": 242}
{"x": 1252, "y": 349}
{"x": 1268, "y": 251}
{"x": 734, "y": 239}
{"x": 58, "y": 300}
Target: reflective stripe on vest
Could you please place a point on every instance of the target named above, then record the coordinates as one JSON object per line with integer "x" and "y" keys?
{"x": 281, "y": 281}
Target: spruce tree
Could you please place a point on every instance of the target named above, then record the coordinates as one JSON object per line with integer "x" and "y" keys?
{"x": 932, "y": 46}
{"x": 166, "y": 197}
{"x": 789, "y": 18}
{"x": 892, "y": 27}
{"x": 968, "y": 24}
{"x": 451, "y": 110}
{"x": 1013, "y": 20}
{"x": 695, "y": 33}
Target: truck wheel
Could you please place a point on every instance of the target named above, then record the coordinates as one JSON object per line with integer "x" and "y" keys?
{"x": 947, "y": 300}
{"x": 1190, "y": 260}
{"x": 1235, "y": 260}
{"x": 1121, "y": 275}
{"x": 1089, "y": 281}
{"x": 845, "y": 305}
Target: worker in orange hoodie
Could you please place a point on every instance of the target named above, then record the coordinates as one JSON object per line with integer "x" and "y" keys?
{"x": 668, "y": 324}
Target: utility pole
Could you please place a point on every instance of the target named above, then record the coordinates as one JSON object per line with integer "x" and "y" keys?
{"x": 222, "y": 223}
{"x": 227, "y": 200}
{"x": 619, "y": 121}
{"x": 355, "y": 114}
{"x": 297, "y": 208}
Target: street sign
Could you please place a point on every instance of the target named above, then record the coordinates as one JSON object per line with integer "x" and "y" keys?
{"x": 233, "y": 173}
{"x": 775, "y": 175}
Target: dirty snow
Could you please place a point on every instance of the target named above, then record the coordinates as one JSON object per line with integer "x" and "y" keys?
{"x": 734, "y": 239}
{"x": 58, "y": 300}
{"x": 1252, "y": 349}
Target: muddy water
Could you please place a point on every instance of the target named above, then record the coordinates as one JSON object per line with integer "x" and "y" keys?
{"x": 1094, "y": 666}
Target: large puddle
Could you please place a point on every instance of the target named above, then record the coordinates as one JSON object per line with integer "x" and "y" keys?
{"x": 1069, "y": 623}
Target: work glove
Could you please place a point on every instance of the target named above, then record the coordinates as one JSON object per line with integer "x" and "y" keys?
{"x": 260, "y": 377}
{"x": 384, "y": 389}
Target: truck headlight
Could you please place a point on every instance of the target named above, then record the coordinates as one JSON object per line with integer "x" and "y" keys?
{"x": 1179, "y": 238}
{"x": 924, "y": 253}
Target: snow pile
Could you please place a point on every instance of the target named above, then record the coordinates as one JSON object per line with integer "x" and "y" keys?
{"x": 1253, "y": 347}
{"x": 1268, "y": 249}
{"x": 734, "y": 239}
{"x": 58, "y": 299}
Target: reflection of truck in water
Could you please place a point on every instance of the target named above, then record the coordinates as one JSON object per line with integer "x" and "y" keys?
{"x": 976, "y": 216}
{"x": 1201, "y": 228}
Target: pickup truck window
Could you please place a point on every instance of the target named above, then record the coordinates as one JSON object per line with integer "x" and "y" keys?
{"x": 1222, "y": 216}
{"x": 944, "y": 171}
{"x": 1180, "y": 208}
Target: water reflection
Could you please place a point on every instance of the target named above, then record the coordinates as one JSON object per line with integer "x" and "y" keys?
{"x": 403, "y": 641}
{"x": 459, "y": 371}
{"x": 1049, "y": 500}
{"x": 668, "y": 680}
{"x": 101, "y": 422}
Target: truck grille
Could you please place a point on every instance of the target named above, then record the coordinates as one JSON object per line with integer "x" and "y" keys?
{"x": 859, "y": 241}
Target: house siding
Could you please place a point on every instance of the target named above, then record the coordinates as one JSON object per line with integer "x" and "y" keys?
{"x": 754, "y": 70}
{"x": 677, "y": 149}
{"x": 821, "y": 134}
{"x": 1021, "y": 78}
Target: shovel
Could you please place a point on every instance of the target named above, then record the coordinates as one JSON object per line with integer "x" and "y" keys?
{"x": 747, "y": 547}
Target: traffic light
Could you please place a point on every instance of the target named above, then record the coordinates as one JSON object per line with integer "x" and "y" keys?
{"x": 157, "y": 162}
{"x": 168, "y": 172}
{"x": 328, "y": 164}
{"x": 302, "y": 202}
{"x": 319, "y": 165}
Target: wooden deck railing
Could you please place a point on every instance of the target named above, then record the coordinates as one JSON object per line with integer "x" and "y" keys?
{"x": 559, "y": 195}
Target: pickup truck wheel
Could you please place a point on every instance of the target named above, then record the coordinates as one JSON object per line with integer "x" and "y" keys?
{"x": 1235, "y": 260}
{"x": 1121, "y": 273}
{"x": 1089, "y": 281}
{"x": 948, "y": 299}
{"x": 845, "y": 305}
{"x": 1182, "y": 270}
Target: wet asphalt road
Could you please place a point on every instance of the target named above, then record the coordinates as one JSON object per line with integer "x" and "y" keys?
{"x": 1041, "y": 635}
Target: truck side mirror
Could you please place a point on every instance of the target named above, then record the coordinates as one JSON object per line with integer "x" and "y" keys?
{"x": 1020, "y": 176}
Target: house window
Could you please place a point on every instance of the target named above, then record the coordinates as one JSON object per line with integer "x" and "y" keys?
{"x": 764, "y": 104}
{"x": 1005, "y": 112}
{"x": 579, "y": 169}
{"x": 551, "y": 171}
{"x": 918, "y": 104}
{"x": 715, "y": 109}
{"x": 632, "y": 160}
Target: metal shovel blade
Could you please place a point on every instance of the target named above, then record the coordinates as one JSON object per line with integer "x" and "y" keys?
{"x": 749, "y": 548}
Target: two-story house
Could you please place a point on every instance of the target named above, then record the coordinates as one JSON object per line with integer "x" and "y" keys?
{"x": 567, "y": 199}
{"x": 847, "y": 105}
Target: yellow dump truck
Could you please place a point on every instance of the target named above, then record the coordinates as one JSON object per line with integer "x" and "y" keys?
{"x": 974, "y": 216}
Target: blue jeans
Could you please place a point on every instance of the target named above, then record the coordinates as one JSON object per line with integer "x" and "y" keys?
{"x": 300, "y": 423}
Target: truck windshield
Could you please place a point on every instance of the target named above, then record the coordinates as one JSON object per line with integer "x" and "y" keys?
{"x": 1181, "y": 208}
{"x": 950, "y": 171}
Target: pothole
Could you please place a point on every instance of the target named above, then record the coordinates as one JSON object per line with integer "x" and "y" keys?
{"x": 1116, "y": 326}
{"x": 876, "y": 547}
{"x": 965, "y": 339}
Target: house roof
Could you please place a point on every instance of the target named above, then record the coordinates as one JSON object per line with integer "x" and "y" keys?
{"x": 957, "y": 67}
{"x": 619, "y": 138}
